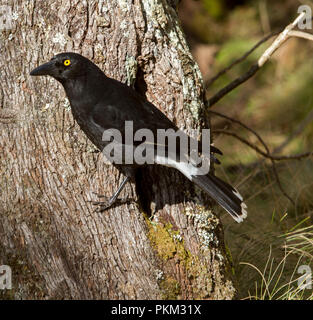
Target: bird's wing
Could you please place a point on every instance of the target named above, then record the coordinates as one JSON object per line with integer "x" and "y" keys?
{"x": 143, "y": 115}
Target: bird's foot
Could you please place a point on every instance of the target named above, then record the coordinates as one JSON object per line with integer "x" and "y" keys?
{"x": 108, "y": 202}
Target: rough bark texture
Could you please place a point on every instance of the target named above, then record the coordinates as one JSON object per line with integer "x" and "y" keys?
{"x": 167, "y": 243}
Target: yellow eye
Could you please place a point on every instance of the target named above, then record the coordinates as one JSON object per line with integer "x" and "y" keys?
{"x": 67, "y": 62}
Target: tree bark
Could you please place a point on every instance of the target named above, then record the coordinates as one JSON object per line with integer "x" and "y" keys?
{"x": 167, "y": 243}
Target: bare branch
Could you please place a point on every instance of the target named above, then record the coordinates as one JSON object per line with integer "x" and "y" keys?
{"x": 231, "y": 86}
{"x": 242, "y": 125}
{"x": 264, "y": 154}
{"x": 282, "y": 37}
{"x": 258, "y": 150}
{"x": 242, "y": 58}
{"x": 301, "y": 34}
{"x": 264, "y": 145}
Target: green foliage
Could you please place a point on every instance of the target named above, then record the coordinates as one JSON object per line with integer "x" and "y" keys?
{"x": 215, "y": 8}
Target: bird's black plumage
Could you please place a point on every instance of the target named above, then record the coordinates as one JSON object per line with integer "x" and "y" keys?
{"x": 100, "y": 103}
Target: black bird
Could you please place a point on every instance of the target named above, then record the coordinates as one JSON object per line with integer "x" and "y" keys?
{"x": 100, "y": 103}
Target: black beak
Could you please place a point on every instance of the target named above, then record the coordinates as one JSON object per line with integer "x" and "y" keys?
{"x": 45, "y": 69}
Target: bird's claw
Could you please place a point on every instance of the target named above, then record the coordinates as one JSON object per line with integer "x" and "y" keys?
{"x": 108, "y": 202}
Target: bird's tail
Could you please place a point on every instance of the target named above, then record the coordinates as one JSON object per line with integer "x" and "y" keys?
{"x": 226, "y": 196}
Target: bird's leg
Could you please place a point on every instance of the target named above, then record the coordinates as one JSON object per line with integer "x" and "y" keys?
{"x": 104, "y": 205}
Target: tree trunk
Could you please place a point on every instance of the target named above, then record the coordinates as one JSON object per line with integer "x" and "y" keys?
{"x": 166, "y": 243}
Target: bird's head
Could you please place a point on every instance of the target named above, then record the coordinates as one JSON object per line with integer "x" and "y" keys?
{"x": 63, "y": 66}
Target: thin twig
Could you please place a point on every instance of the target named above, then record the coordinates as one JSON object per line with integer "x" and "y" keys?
{"x": 264, "y": 154}
{"x": 242, "y": 125}
{"x": 233, "y": 85}
{"x": 267, "y": 155}
{"x": 282, "y": 37}
{"x": 267, "y": 152}
{"x": 242, "y": 58}
{"x": 298, "y": 34}
{"x": 301, "y": 34}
